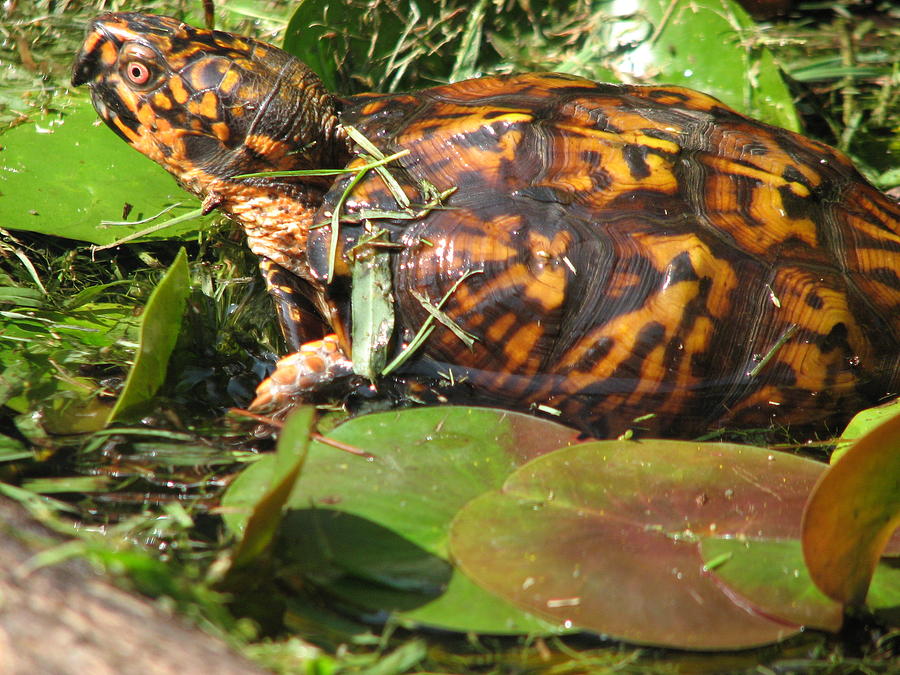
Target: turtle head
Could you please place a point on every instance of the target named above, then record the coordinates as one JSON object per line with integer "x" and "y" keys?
{"x": 206, "y": 105}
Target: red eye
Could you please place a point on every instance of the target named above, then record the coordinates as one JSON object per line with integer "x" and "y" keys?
{"x": 137, "y": 72}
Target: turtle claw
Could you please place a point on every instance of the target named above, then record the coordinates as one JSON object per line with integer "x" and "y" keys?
{"x": 298, "y": 377}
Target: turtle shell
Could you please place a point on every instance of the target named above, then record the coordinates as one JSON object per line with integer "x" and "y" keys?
{"x": 630, "y": 252}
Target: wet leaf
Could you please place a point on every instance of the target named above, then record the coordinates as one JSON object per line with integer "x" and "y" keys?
{"x": 76, "y": 174}
{"x": 606, "y": 536}
{"x": 160, "y": 324}
{"x": 42, "y": 352}
{"x": 374, "y": 532}
{"x": 852, "y": 513}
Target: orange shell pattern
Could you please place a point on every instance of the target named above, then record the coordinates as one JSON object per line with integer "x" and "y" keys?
{"x": 639, "y": 250}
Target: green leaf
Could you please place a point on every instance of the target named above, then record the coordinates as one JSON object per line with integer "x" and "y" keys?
{"x": 12, "y": 450}
{"x": 260, "y": 524}
{"x": 702, "y": 44}
{"x": 606, "y": 536}
{"x": 372, "y": 304}
{"x": 852, "y": 513}
{"x": 466, "y": 64}
{"x": 63, "y": 174}
{"x": 373, "y": 532}
{"x": 862, "y": 423}
{"x": 332, "y": 38}
{"x": 160, "y": 325}
{"x": 42, "y": 352}
{"x": 20, "y": 297}
{"x": 307, "y": 36}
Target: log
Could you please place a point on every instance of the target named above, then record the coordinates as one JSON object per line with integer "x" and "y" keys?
{"x": 66, "y": 618}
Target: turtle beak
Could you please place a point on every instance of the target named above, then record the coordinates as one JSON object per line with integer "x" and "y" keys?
{"x": 82, "y": 71}
{"x": 96, "y": 49}
{"x": 84, "y": 67}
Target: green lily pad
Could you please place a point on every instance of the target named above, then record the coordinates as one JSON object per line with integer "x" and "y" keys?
{"x": 62, "y": 174}
{"x": 372, "y": 531}
{"x": 772, "y": 575}
{"x": 606, "y": 536}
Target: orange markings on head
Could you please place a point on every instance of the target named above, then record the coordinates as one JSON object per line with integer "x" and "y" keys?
{"x": 91, "y": 42}
{"x": 129, "y": 134}
{"x": 109, "y": 54}
{"x": 162, "y": 101}
{"x": 147, "y": 116}
{"x": 179, "y": 93}
{"x": 163, "y": 125}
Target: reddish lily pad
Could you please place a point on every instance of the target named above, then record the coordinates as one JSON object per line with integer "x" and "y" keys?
{"x": 606, "y": 536}
{"x": 852, "y": 513}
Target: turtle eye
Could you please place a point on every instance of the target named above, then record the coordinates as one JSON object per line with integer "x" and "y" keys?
{"x": 137, "y": 73}
{"x": 139, "y": 65}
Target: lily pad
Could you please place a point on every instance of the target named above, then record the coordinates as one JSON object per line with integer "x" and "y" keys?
{"x": 372, "y": 531}
{"x": 62, "y": 174}
{"x": 606, "y": 536}
{"x": 772, "y": 575}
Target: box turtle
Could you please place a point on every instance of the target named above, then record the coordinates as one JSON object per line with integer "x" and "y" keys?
{"x": 614, "y": 252}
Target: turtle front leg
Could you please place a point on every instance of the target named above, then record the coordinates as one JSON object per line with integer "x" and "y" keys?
{"x": 297, "y": 316}
{"x": 316, "y": 368}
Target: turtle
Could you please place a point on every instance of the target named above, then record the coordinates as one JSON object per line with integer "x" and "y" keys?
{"x": 616, "y": 256}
